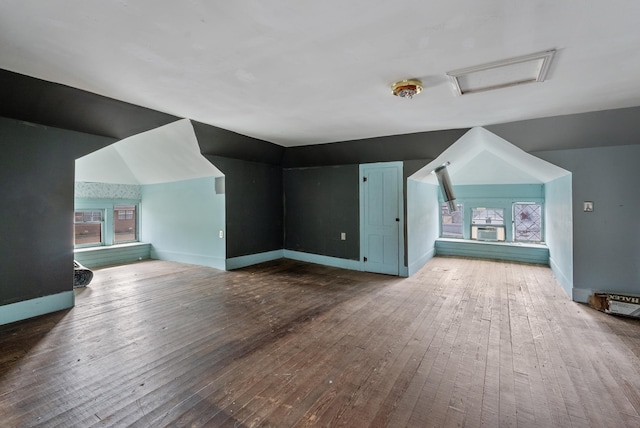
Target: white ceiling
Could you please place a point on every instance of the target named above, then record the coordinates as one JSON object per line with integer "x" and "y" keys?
{"x": 166, "y": 154}
{"x": 482, "y": 157}
{"x": 299, "y": 72}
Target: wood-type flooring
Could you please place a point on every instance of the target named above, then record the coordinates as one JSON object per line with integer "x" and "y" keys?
{"x": 463, "y": 342}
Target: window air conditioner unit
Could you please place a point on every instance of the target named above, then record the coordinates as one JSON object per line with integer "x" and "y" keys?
{"x": 487, "y": 233}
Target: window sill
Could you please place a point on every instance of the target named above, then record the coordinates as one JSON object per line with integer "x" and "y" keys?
{"x": 498, "y": 243}
{"x": 108, "y": 247}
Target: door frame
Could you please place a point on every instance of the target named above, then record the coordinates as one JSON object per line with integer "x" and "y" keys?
{"x": 402, "y": 269}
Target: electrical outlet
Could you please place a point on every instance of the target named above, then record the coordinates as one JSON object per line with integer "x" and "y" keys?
{"x": 343, "y": 236}
{"x": 221, "y": 234}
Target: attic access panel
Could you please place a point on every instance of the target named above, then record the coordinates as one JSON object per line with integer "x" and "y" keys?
{"x": 502, "y": 74}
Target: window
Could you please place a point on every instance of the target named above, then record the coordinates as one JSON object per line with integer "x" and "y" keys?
{"x": 483, "y": 216}
{"x": 451, "y": 221}
{"x": 87, "y": 227}
{"x": 124, "y": 223}
{"x": 487, "y": 224}
{"x": 527, "y": 222}
{"x": 125, "y": 214}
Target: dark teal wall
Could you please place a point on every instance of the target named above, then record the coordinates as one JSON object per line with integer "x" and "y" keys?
{"x": 423, "y": 145}
{"x": 36, "y": 190}
{"x": 254, "y": 206}
{"x": 321, "y": 203}
{"x": 52, "y": 104}
{"x": 214, "y": 141}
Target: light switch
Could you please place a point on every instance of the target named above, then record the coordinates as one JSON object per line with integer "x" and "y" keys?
{"x": 343, "y": 236}
{"x": 221, "y": 234}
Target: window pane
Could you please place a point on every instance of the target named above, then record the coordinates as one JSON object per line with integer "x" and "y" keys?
{"x": 87, "y": 228}
{"x": 528, "y": 222}
{"x": 493, "y": 216}
{"x": 124, "y": 223}
{"x": 452, "y": 221}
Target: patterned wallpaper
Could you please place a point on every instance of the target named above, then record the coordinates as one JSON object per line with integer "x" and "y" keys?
{"x": 85, "y": 189}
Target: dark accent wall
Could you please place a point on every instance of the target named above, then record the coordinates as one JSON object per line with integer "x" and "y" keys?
{"x": 52, "y": 104}
{"x": 215, "y": 141}
{"x": 423, "y": 145}
{"x": 595, "y": 129}
{"x": 254, "y": 206}
{"x": 320, "y": 204}
{"x": 36, "y": 216}
{"x": 37, "y": 165}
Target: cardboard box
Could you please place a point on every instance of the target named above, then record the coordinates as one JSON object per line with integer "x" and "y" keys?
{"x": 616, "y": 304}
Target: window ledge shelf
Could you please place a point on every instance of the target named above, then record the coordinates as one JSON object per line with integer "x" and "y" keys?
{"x": 514, "y": 251}
{"x": 500, "y": 243}
{"x": 112, "y": 254}
{"x": 109, "y": 247}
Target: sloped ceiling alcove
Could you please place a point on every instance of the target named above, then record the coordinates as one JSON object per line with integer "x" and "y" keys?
{"x": 166, "y": 154}
{"x": 481, "y": 157}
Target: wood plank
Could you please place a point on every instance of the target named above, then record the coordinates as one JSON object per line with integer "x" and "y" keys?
{"x": 285, "y": 343}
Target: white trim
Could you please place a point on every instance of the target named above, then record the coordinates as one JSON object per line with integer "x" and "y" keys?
{"x": 109, "y": 247}
{"x": 34, "y": 307}
{"x": 544, "y": 57}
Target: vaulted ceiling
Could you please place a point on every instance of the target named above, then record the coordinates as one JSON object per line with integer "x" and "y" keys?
{"x": 165, "y": 154}
{"x": 297, "y": 73}
{"x": 482, "y": 157}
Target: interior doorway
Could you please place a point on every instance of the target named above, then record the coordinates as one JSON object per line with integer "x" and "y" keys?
{"x": 381, "y": 217}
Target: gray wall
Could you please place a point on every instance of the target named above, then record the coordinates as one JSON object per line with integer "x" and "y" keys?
{"x": 254, "y": 206}
{"x": 423, "y": 145}
{"x": 52, "y": 104}
{"x": 320, "y": 203}
{"x": 214, "y": 141}
{"x": 606, "y": 242}
{"x": 36, "y": 227}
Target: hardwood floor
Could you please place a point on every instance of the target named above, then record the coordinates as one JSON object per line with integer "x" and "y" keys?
{"x": 283, "y": 344}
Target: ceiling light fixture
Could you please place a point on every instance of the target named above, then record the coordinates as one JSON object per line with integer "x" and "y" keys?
{"x": 406, "y": 88}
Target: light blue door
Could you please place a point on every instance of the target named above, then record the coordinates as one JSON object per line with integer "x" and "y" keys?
{"x": 380, "y": 245}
